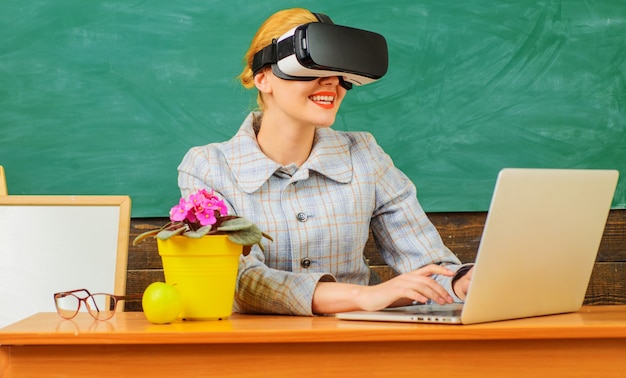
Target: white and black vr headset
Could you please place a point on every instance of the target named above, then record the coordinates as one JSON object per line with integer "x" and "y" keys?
{"x": 322, "y": 49}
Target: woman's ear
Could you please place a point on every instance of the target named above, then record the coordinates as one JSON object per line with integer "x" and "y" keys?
{"x": 261, "y": 81}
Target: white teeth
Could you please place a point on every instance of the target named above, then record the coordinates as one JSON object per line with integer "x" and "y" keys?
{"x": 327, "y": 99}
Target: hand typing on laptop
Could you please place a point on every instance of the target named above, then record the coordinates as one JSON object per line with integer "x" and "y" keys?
{"x": 416, "y": 286}
{"x": 520, "y": 246}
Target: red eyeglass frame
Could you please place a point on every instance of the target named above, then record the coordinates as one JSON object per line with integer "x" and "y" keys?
{"x": 95, "y": 313}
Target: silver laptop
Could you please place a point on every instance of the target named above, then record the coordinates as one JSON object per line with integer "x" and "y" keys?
{"x": 537, "y": 251}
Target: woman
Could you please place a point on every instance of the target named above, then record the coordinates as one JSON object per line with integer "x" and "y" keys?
{"x": 317, "y": 192}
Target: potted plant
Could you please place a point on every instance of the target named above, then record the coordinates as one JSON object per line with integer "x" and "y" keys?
{"x": 200, "y": 249}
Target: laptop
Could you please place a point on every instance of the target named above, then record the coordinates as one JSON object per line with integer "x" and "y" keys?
{"x": 537, "y": 250}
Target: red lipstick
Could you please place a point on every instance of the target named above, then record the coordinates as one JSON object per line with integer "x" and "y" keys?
{"x": 325, "y": 100}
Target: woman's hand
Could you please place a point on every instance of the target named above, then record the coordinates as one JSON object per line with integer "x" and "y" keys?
{"x": 418, "y": 285}
{"x": 404, "y": 289}
{"x": 461, "y": 285}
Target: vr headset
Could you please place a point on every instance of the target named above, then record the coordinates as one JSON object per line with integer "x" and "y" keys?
{"x": 323, "y": 49}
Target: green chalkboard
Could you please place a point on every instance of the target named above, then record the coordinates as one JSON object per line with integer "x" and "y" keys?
{"x": 105, "y": 97}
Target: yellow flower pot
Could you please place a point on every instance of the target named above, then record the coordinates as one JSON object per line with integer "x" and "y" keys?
{"x": 204, "y": 271}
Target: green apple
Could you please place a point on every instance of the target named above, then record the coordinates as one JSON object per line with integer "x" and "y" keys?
{"x": 162, "y": 303}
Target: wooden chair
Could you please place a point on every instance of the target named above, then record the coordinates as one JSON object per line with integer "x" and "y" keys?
{"x": 3, "y": 183}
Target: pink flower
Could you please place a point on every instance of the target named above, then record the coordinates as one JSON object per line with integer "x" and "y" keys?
{"x": 191, "y": 216}
{"x": 201, "y": 208}
{"x": 206, "y": 217}
{"x": 179, "y": 212}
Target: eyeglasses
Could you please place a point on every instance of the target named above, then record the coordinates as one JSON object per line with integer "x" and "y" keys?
{"x": 99, "y": 305}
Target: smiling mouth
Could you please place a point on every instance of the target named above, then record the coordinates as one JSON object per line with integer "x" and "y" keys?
{"x": 323, "y": 100}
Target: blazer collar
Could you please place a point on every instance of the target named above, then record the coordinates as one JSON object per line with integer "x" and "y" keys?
{"x": 330, "y": 157}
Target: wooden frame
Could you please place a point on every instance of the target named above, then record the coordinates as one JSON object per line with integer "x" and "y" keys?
{"x": 3, "y": 183}
{"x": 58, "y": 243}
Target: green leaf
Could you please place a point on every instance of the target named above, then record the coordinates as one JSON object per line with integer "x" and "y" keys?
{"x": 166, "y": 234}
{"x": 249, "y": 236}
{"x": 241, "y": 231}
{"x": 236, "y": 224}
{"x": 268, "y": 237}
{"x": 197, "y": 234}
{"x": 141, "y": 237}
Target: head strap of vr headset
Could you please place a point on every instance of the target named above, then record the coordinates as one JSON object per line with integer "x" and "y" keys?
{"x": 274, "y": 52}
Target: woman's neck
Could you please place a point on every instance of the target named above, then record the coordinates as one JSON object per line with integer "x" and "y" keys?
{"x": 284, "y": 141}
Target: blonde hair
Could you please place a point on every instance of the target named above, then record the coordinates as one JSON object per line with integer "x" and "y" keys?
{"x": 276, "y": 25}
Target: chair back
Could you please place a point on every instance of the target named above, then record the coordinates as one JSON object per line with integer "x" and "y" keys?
{"x": 3, "y": 183}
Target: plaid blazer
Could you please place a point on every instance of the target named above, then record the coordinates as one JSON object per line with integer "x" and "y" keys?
{"x": 319, "y": 215}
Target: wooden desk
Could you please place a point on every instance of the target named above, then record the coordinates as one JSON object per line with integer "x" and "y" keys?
{"x": 590, "y": 343}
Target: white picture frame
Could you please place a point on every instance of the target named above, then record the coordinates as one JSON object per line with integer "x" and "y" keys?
{"x": 50, "y": 244}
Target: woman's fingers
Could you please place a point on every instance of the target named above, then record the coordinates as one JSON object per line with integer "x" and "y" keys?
{"x": 419, "y": 285}
{"x": 433, "y": 269}
{"x": 427, "y": 289}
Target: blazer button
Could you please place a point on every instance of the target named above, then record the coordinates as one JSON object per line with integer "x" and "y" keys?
{"x": 302, "y": 217}
{"x": 305, "y": 262}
